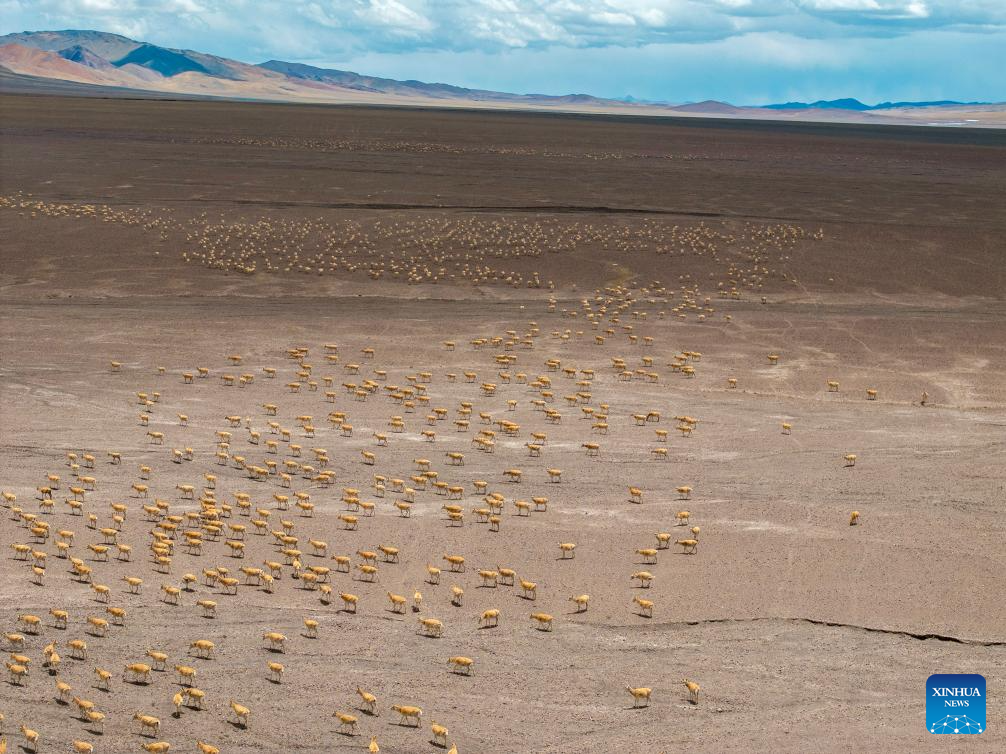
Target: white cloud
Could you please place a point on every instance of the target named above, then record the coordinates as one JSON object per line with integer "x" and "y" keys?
{"x": 401, "y": 25}
{"x": 103, "y": 6}
{"x": 395, "y": 15}
{"x": 841, "y": 5}
{"x": 607, "y": 18}
{"x": 912, "y": 13}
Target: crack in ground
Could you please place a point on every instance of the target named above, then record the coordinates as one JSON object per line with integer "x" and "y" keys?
{"x": 834, "y": 624}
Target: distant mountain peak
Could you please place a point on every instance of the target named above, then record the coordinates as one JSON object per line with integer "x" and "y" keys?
{"x": 84, "y": 56}
{"x": 708, "y": 106}
{"x": 934, "y": 103}
{"x": 850, "y": 103}
{"x": 102, "y": 43}
{"x": 166, "y": 62}
{"x": 360, "y": 82}
{"x": 847, "y": 103}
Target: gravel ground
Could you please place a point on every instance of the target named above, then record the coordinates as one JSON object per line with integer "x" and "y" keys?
{"x": 805, "y": 633}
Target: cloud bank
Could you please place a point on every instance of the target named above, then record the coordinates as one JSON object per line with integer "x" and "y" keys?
{"x": 658, "y": 49}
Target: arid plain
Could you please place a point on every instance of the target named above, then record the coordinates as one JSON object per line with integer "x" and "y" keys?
{"x": 588, "y": 270}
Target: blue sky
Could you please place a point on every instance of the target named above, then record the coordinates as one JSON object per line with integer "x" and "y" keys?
{"x": 742, "y": 51}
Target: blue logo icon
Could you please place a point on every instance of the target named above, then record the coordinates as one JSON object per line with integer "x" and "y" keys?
{"x": 955, "y": 703}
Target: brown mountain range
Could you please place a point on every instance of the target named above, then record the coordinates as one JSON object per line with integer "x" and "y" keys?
{"x": 86, "y": 60}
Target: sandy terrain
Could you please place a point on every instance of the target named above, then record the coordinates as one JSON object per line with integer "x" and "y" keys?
{"x": 877, "y": 252}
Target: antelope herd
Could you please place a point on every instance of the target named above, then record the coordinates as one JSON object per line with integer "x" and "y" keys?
{"x": 268, "y": 500}
{"x": 476, "y": 250}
